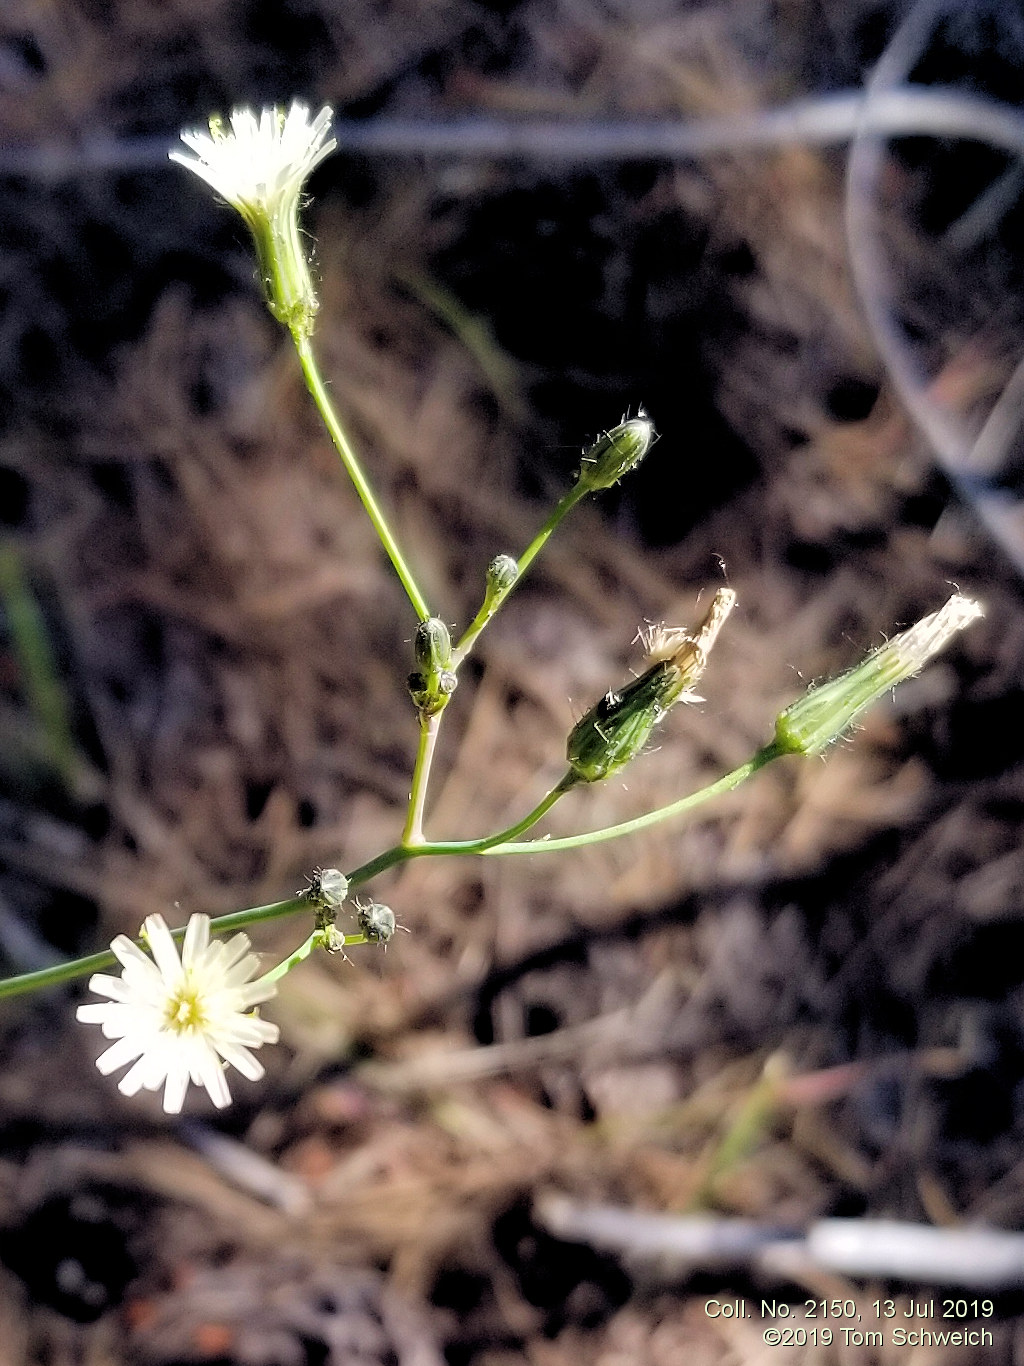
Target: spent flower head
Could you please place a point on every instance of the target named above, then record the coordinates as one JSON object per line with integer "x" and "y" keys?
{"x": 259, "y": 163}
{"x": 178, "y": 1020}
{"x": 822, "y": 715}
{"x": 615, "y": 730}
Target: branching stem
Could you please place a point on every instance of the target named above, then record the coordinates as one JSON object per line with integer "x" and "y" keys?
{"x": 504, "y": 842}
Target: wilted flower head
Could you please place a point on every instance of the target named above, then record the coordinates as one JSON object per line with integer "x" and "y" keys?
{"x": 176, "y": 1019}
{"x": 813, "y": 721}
{"x": 616, "y": 730}
{"x": 259, "y": 163}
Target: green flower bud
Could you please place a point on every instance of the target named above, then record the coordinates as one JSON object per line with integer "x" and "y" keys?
{"x": 617, "y": 729}
{"x": 502, "y": 573}
{"x": 616, "y": 453}
{"x": 434, "y": 681}
{"x": 432, "y": 646}
{"x": 821, "y": 716}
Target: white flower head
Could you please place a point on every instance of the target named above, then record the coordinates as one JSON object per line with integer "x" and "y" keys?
{"x": 259, "y": 163}
{"x": 178, "y": 1020}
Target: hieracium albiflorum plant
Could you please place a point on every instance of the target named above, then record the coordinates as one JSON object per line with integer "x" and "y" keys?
{"x": 179, "y": 1019}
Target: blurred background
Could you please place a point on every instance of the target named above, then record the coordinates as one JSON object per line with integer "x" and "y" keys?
{"x": 806, "y": 1002}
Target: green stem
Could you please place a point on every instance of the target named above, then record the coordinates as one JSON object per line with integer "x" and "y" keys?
{"x": 504, "y": 842}
{"x": 98, "y": 962}
{"x": 399, "y": 853}
{"x": 528, "y": 556}
{"x": 318, "y": 389}
{"x": 315, "y": 941}
{"x": 612, "y": 832}
{"x": 429, "y": 728}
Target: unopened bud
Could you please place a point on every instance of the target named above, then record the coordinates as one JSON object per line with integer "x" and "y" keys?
{"x": 432, "y": 645}
{"x": 616, "y": 453}
{"x": 502, "y": 573}
{"x": 434, "y": 681}
{"x": 617, "y": 729}
{"x": 821, "y": 716}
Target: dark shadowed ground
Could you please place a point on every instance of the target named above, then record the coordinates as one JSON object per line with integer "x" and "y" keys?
{"x": 805, "y": 1003}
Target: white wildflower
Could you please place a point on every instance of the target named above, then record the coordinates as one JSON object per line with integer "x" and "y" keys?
{"x": 259, "y": 163}
{"x": 175, "y": 1020}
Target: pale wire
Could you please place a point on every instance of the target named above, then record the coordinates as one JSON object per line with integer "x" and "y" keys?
{"x": 966, "y": 457}
{"x": 817, "y": 121}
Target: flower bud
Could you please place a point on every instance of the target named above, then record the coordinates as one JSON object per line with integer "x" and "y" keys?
{"x": 617, "y": 729}
{"x": 434, "y": 681}
{"x": 821, "y": 716}
{"x": 616, "y": 453}
{"x": 432, "y": 645}
{"x": 502, "y": 573}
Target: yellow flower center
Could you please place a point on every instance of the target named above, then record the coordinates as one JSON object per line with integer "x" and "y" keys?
{"x": 184, "y": 1011}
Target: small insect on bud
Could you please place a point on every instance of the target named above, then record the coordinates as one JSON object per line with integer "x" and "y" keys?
{"x": 616, "y": 730}
{"x": 328, "y": 887}
{"x": 502, "y": 573}
{"x": 616, "y": 453}
{"x": 376, "y": 921}
{"x": 434, "y": 680}
{"x": 821, "y": 716}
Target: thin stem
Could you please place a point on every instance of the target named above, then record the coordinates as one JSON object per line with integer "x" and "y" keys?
{"x": 504, "y": 842}
{"x": 294, "y": 959}
{"x": 400, "y": 852}
{"x": 611, "y": 832}
{"x": 97, "y": 962}
{"x": 490, "y": 607}
{"x": 318, "y": 389}
{"x": 482, "y": 846}
{"x": 429, "y": 728}
{"x": 315, "y": 941}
